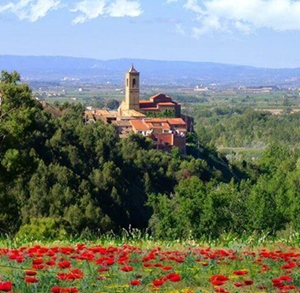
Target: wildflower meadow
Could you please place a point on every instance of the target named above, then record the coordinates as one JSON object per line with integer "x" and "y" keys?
{"x": 147, "y": 267}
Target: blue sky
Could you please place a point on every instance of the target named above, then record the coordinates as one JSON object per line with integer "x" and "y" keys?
{"x": 262, "y": 33}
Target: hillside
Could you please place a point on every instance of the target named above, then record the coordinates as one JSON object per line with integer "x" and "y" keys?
{"x": 54, "y": 68}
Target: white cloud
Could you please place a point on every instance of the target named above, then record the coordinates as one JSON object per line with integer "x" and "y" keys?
{"x": 244, "y": 15}
{"x": 121, "y": 8}
{"x": 31, "y": 10}
{"x": 88, "y": 9}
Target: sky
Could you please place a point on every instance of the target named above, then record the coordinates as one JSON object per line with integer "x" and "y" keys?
{"x": 260, "y": 33}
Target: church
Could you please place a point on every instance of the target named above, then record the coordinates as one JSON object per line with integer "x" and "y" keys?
{"x": 139, "y": 117}
{"x": 159, "y": 103}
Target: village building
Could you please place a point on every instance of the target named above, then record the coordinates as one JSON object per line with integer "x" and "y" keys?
{"x": 165, "y": 132}
{"x": 131, "y": 116}
{"x": 159, "y": 103}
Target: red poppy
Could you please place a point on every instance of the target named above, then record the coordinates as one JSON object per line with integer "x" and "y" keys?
{"x": 31, "y": 280}
{"x": 37, "y": 261}
{"x": 238, "y": 284}
{"x": 38, "y": 266}
{"x": 287, "y": 266}
{"x": 175, "y": 278}
{"x": 135, "y": 282}
{"x": 240, "y": 272}
{"x": 248, "y": 282}
{"x": 56, "y": 289}
{"x": 218, "y": 283}
{"x": 218, "y": 280}
{"x": 167, "y": 268}
{"x": 286, "y": 278}
{"x": 126, "y": 268}
{"x": 5, "y": 286}
{"x": 158, "y": 282}
{"x": 64, "y": 264}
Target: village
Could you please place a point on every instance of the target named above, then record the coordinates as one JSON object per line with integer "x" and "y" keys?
{"x": 158, "y": 118}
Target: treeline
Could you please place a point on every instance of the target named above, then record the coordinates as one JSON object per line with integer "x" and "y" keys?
{"x": 245, "y": 127}
{"x": 60, "y": 176}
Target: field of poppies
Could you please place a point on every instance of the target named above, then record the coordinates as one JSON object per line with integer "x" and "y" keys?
{"x": 144, "y": 267}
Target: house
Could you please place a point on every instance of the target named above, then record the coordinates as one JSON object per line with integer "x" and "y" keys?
{"x": 165, "y": 132}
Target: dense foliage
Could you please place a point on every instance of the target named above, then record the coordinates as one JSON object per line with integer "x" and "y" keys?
{"x": 60, "y": 176}
{"x": 245, "y": 127}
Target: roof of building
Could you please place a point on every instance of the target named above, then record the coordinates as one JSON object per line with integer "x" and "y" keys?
{"x": 157, "y": 101}
{"x": 164, "y": 138}
{"x": 139, "y": 125}
{"x": 157, "y": 123}
{"x": 167, "y": 103}
{"x": 102, "y": 112}
{"x": 176, "y": 121}
{"x": 132, "y": 69}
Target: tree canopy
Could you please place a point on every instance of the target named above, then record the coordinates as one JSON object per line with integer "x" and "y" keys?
{"x": 67, "y": 176}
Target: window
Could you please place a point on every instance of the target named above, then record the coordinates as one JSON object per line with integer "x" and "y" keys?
{"x": 133, "y": 82}
{"x": 127, "y": 82}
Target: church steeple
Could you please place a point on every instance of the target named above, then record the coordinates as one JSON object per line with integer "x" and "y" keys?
{"x": 132, "y": 89}
{"x": 132, "y": 69}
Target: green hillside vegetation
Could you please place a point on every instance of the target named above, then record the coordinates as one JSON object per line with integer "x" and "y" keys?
{"x": 61, "y": 177}
{"x": 245, "y": 127}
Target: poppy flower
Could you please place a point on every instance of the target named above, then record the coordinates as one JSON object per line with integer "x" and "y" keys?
{"x": 64, "y": 264}
{"x": 218, "y": 283}
{"x": 158, "y": 282}
{"x": 248, "y": 282}
{"x": 287, "y": 266}
{"x": 240, "y": 272}
{"x": 135, "y": 282}
{"x": 126, "y": 268}
{"x": 218, "y": 280}
{"x": 37, "y": 261}
{"x": 31, "y": 280}
{"x": 56, "y": 289}
{"x": 167, "y": 268}
{"x": 238, "y": 284}
{"x": 175, "y": 278}
{"x": 286, "y": 278}
{"x": 5, "y": 286}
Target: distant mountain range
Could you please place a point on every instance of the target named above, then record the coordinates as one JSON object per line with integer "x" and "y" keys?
{"x": 52, "y": 68}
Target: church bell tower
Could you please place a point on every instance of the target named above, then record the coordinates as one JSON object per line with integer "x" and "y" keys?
{"x": 132, "y": 90}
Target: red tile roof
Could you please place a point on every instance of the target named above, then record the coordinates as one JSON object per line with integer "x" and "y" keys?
{"x": 139, "y": 125}
{"x": 166, "y": 103}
